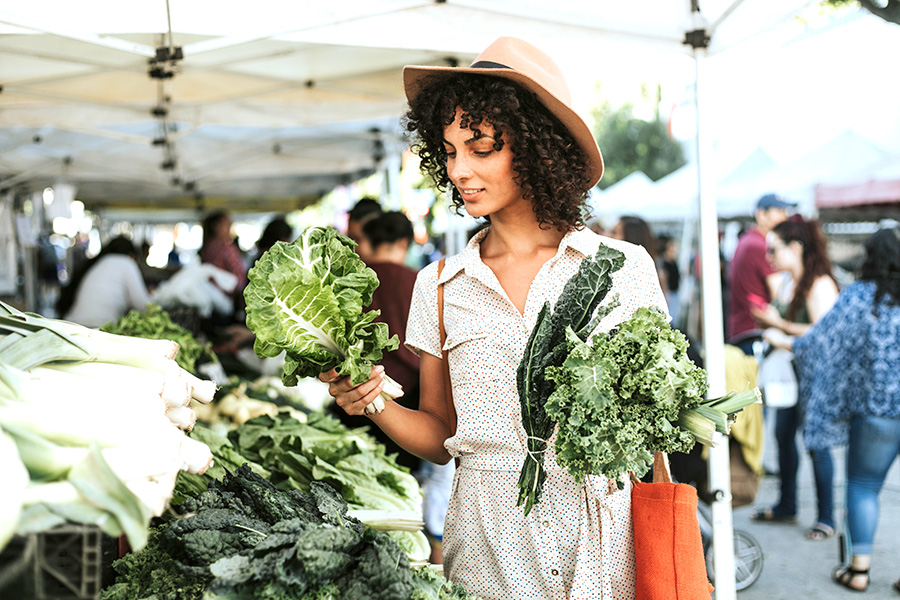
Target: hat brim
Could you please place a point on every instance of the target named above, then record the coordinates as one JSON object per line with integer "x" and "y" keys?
{"x": 416, "y": 77}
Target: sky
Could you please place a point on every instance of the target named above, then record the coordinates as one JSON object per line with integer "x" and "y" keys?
{"x": 788, "y": 91}
{"x": 791, "y": 97}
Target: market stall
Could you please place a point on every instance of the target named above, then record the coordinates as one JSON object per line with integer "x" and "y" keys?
{"x": 114, "y": 448}
{"x": 188, "y": 124}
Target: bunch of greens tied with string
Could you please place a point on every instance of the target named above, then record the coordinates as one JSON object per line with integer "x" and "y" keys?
{"x": 576, "y": 310}
{"x": 616, "y": 396}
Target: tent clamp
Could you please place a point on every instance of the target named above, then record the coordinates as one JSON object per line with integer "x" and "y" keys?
{"x": 697, "y": 38}
{"x": 165, "y": 64}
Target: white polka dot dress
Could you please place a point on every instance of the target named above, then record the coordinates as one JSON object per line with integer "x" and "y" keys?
{"x": 576, "y": 543}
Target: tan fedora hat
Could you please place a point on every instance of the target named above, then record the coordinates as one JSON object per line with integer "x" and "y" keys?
{"x": 519, "y": 61}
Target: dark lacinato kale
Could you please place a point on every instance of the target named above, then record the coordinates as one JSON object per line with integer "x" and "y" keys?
{"x": 243, "y": 539}
{"x": 203, "y": 538}
{"x": 382, "y": 571}
{"x": 261, "y": 497}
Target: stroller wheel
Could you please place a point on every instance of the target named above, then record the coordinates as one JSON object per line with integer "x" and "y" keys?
{"x": 748, "y": 560}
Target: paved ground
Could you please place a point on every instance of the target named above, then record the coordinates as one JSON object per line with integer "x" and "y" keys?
{"x": 797, "y": 568}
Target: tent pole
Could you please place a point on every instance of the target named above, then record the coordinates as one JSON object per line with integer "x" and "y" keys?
{"x": 713, "y": 331}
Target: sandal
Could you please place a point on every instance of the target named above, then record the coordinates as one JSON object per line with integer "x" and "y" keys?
{"x": 819, "y": 532}
{"x": 768, "y": 515}
{"x": 845, "y": 575}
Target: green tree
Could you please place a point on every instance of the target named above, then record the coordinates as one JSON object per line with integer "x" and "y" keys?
{"x": 631, "y": 144}
{"x": 889, "y": 10}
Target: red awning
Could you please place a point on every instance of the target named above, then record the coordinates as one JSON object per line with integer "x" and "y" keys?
{"x": 882, "y": 191}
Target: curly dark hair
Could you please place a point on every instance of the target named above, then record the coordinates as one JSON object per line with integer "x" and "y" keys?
{"x": 551, "y": 168}
{"x": 882, "y": 265}
{"x": 816, "y": 263}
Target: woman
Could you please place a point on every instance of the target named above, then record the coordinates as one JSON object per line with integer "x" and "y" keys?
{"x": 106, "y": 288}
{"x": 853, "y": 357}
{"x": 637, "y": 231}
{"x": 502, "y": 137}
{"x": 277, "y": 230}
{"x": 219, "y": 249}
{"x": 797, "y": 248}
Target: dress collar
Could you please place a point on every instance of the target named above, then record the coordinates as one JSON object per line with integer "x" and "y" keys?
{"x": 582, "y": 241}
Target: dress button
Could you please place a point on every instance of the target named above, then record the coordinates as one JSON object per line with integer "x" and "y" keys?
{"x": 546, "y": 523}
{"x": 555, "y": 572}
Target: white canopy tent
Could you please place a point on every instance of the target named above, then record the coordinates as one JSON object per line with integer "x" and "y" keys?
{"x": 276, "y": 100}
{"x": 838, "y": 160}
{"x": 844, "y": 159}
{"x": 279, "y": 99}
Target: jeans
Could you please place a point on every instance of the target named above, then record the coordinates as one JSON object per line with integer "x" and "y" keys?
{"x": 874, "y": 444}
{"x": 787, "y": 422}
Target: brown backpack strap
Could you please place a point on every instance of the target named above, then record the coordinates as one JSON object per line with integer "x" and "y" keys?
{"x": 448, "y": 390}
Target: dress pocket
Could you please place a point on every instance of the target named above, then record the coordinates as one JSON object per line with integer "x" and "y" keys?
{"x": 471, "y": 355}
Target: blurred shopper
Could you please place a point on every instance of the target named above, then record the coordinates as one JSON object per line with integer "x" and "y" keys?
{"x": 390, "y": 235}
{"x": 219, "y": 249}
{"x": 852, "y": 357}
{"x": 106, "y": 287}
{"x": 670, "y": 274}
{"x": 797, "y": 247}
{"x": 637, "y": 231}
{"x": 362, "y": 212}
{"x": 750, "y": 275}
{"x": 278, "y": 230}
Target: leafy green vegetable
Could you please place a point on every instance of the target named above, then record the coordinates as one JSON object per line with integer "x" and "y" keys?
{"x": 431, "y": 586}
{"x": 307, "y": 298}
{"x": 225, "y": 458}
{"x": 154, "y": 323}
{"x": 245, "y": 539}
{"x": 633, "y": 392}
{"x": 546, "y": 346}
{"x": 350, "y": 460}
{"x": 153, "y": 574}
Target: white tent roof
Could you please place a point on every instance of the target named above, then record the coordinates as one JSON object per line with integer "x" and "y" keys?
{"x": 845, "y": 159}
{"x": 276, "y": 99}
{"x": 838, "y": 160}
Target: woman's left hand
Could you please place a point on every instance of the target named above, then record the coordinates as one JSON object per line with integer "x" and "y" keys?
{"x": 767, "y": 316}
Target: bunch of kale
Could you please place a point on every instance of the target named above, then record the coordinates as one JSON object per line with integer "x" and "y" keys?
{"x": 576, "y": 311}
{"x": 244, "y": 539}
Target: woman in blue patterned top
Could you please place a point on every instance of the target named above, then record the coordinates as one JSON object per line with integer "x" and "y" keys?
{"x": 853, "y": 357}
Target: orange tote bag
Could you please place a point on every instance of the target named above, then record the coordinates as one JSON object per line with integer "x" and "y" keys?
{"x": 667, "y": 545}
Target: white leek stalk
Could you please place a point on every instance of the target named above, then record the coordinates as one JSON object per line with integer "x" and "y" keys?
{"x": 182, "y": 417}
{"x": 94, "y": 421}
{"x": 15, "y": 481}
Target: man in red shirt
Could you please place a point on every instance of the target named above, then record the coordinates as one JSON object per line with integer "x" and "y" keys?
{"x": 750, "y": 276}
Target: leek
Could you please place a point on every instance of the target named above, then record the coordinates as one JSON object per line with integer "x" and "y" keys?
{"x": 15, "y": 481}
{"x": 91, "y": 427}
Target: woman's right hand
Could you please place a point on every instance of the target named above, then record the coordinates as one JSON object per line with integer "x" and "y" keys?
{"x": 353, "y": 399}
